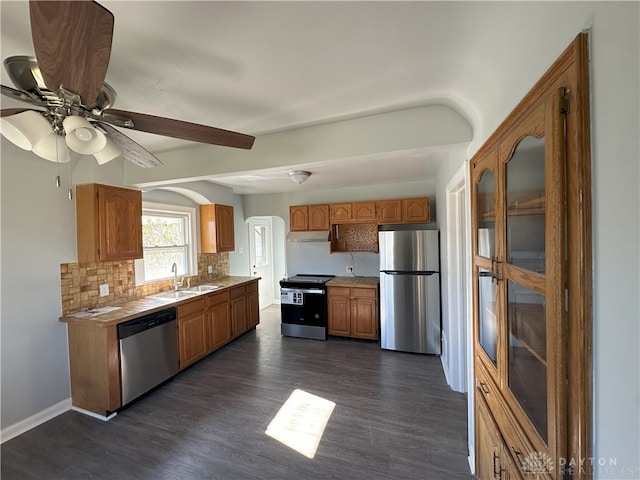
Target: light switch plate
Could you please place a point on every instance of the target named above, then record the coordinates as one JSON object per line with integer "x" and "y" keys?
{"x": 209, "y": 269}
{"x": 104, "y": 289}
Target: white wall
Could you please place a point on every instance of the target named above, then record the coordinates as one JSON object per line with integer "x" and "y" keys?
{"x": 616, "y": 240}
{"x": 38, "y": 234}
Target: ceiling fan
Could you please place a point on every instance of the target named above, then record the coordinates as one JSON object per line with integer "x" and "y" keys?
{"x": 65, "y": 83}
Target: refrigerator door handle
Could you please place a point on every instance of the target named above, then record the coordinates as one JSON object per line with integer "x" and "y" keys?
{"x": 396, "y": 272}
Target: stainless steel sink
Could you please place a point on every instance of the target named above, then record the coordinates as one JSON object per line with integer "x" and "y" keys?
{"x": 176, "y": 294}
{"x": 203, "y": 288}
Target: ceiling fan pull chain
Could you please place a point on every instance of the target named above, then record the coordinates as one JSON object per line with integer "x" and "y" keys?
{"x": 70, "y": 186}
{"x": 57, "y": 166}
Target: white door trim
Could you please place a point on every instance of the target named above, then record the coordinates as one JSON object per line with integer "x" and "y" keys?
{"x": 460, "y": 358}
{"x": 266, "y": 284}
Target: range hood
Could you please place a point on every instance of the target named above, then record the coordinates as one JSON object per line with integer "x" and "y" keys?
{"x": 321, "y": 236}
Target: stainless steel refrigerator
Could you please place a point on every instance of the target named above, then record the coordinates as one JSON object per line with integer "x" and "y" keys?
{"x": 410, "y": 291}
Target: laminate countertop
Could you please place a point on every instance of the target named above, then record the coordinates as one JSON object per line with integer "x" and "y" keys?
{"x": 366, "y": 282}
{"x": 118, "y": 312}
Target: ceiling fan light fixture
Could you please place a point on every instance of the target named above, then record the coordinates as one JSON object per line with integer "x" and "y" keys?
{"x": 25, "y": 129}
{"x": 82, "y": 137}
{"x": 108, "y": 153}
{"x": 299, "y": 176}
{"x": 52, "y": 148}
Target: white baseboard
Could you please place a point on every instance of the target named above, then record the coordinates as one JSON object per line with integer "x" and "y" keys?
{"x": 33, "y": 421}
{"x": 472, "y": 463}
{"x": 94, "y": 415}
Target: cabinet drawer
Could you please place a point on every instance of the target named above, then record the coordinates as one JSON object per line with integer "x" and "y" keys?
{"x": 252, "y": 287}
{"x": 236, "y": 292}
{"x": 195, "y": 306}
{"x": 360, "y": 292}
{"x": 217, "y": 298}
{"x": 339, "y": 291}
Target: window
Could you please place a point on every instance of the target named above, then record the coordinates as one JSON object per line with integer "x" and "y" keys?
{"x": 167, "y": 238}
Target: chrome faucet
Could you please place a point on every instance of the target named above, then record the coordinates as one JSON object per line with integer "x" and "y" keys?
{"x": 174, "y": 270}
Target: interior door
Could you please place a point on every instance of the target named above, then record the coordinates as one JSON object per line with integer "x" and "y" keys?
{"x": 261, "y": 256}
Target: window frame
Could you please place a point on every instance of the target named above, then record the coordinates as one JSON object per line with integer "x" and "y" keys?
{"x": 191, "y": 237}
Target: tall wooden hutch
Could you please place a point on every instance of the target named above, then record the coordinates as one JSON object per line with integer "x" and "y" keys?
{"x": 531, "y": 267}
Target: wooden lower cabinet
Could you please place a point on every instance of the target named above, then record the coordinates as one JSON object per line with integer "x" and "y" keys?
{"x": 192, "y": 332}
{"x": 219, "y": 320}
{"x": 94, "y": 364}
{"x": 494, "y": 460}
{"x": 353, "y": 312}
{"x": 253, "y": 306}
{"x": 205, "y": 323}
{"x": 238, "y": 311}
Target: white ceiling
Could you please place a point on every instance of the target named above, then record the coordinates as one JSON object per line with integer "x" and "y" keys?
{"x": 258, "y": 67}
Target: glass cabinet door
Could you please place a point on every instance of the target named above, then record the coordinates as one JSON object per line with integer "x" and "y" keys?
{"x": 532, "y": 179}
{"x": 487, "y": 315}
{"x": 486, "y": 214}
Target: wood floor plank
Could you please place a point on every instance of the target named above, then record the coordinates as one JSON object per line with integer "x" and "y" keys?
{"x": 395, "y": 418}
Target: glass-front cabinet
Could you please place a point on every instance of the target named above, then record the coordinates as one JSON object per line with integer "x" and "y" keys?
{"x": 518, "y": 264}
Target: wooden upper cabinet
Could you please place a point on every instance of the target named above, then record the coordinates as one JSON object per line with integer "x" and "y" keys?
{"x": 364, "y": 211}
{"x": 416, "y": 210}
{"x": 389, "y": 211}
{"x": 319, "y": 217}
{"x": 353, "y": 211}
{"x": 406, "y": 210}
{"x": 216, "y": 228}
{"x": 109, "y": 223}
{"x": 299, "y": 218}
{"x": 341, "y": 212}
{"x": 303, "y": 218}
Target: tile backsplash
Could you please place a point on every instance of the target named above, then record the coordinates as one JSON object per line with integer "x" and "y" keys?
{"x": 80, "y": 282}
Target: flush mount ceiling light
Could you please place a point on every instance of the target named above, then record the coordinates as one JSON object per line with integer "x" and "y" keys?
{"x": 299, "y": 176}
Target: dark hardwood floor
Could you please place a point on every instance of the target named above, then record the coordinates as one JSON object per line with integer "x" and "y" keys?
{"x": 395, "y": 418}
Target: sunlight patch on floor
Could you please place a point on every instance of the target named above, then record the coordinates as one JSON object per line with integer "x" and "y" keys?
{"x": 300, "y": 422}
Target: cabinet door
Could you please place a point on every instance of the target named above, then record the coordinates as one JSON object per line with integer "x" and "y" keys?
{"x": 120, "y": 223}
{"x": 364, "y": 315}
{"x": 339, "y": 311}
{"x": 364, "y": 312}
{"x": 299, "y": 218}
{"x": 416, "y": 210}
{"x": 533, "y": 273}
{"x": 253, "y": 306}
{"x": 365, "y": 211}
{"x": 389, "y": 211}
{"x": 225, "y": 228}
{"x": 238, "y": 311}
{"x": 216, "y": 228}
{"x": 192, "y": 338}
{"x": 340, "y": 212}
{"x": 319, "y": 217}
{"x": 219, "y": 324}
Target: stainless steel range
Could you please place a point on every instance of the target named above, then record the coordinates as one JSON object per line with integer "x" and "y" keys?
{"x": 303, "y": 300}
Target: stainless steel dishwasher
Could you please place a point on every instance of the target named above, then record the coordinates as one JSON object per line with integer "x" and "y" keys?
{"x": 148, "y": 352}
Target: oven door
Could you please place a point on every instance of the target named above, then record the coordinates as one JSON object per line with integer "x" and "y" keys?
{"x": 304, "y": 306}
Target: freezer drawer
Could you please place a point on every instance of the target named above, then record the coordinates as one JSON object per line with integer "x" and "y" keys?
{"x": 410, "y": 312}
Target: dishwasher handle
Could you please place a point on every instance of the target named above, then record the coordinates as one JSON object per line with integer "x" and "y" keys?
{"x": 137, "y": 325}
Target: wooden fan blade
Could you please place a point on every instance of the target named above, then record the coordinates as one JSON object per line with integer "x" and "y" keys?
{"x": 72, "y": 41}
{"x": 132, "y": 151}
{"x": 6, "y": 112}
{"x": 20, "y": 95}
{"x": 184, "y": 130}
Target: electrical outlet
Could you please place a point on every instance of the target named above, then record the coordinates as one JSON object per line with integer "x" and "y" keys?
{"x": 209, "y": 269}
{"x": 349, "y": 268}
{"x": 104, "y": 289}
